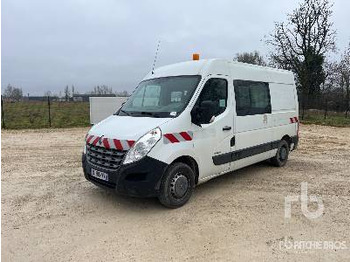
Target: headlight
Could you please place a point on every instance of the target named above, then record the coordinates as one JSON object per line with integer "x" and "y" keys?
{"x": 84, "y": 149}
{"x": 143, "y": 146}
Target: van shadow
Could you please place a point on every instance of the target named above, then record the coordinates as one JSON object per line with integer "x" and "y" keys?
{"x": 244, "y": 175}
{"x": 112, "y": 199}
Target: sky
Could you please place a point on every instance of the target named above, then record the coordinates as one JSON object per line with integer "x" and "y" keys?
{"x": 48, "y": 44}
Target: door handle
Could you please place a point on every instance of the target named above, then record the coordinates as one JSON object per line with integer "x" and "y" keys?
{"x": 226, "y": 128}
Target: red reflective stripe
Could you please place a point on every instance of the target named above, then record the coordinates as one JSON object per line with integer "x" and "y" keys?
{"x": 294, "y": 119}
{"x": 186, "y": 136}
{"x": 171, "y": 138}
{"x": 131, "y": 142}
{"x": 117, "y": 144}
{"x": 89, "y": 138}
{"x": 105, "y": 143}
{"x": 96, "y": 140}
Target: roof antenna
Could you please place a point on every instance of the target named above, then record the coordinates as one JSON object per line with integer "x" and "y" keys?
{"x": 155, "y": 57}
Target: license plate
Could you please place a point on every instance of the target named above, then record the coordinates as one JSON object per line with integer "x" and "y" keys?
{"x": 99, "y": 174}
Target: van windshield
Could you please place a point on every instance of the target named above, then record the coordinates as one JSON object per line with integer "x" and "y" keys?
{"x": 161, "y": 97}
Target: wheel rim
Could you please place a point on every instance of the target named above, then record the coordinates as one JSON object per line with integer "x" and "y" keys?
{"x": 283, "y": 154}
{"x": 179, "y": 185}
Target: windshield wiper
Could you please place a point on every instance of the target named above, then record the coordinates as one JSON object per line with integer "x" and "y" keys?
{"x": 151, "y": 114}
{"x": 123, "y": 111}
{"x": 146, "y": 113}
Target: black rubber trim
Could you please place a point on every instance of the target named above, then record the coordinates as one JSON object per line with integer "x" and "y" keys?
{"x": 243, "y": 153}
{"x": 233, "y": 141}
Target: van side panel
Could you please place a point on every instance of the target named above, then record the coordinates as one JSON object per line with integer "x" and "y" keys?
{"x": 284, "y": 108}
{"x": 251, "y": 131}
{"x": 254, "y": 131}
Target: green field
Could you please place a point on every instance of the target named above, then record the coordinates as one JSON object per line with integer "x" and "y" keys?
{"x": 332, "y": 119}
{"x": 22, "y": 115}
{"x": 35, "y": 114}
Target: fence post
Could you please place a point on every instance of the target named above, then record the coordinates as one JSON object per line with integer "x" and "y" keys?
{"x": 49, "y": 105}
{"x": 2, "y": 114}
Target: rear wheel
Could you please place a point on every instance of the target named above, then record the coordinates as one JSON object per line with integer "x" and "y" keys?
{"x": 176, "y": 186}
{"x": 281, "y": 157}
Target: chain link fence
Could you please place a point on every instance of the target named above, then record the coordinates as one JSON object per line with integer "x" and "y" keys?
{"x": 333, "y": 104}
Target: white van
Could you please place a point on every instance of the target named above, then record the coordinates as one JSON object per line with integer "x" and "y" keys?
{"x": 189, "y": 122}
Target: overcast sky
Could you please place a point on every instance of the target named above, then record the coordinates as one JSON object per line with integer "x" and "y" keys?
{"x": 47, "y": 45}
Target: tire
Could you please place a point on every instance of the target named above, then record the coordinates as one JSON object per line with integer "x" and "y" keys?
{"x": 176, "y": 186}
{"x": 281, "y": 157}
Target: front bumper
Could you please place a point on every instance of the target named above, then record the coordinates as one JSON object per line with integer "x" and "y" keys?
{"x": 139, "y": 179}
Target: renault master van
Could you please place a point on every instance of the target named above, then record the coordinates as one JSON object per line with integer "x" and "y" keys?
{"x": 189, "y": 122}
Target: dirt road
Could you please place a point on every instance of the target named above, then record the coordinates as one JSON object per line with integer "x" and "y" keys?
{"x": 50, "y": 213}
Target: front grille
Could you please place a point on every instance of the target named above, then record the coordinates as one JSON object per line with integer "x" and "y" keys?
{"x": 105, "y": 158}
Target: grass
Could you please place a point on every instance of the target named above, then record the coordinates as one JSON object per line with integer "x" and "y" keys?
{"x": 332, "y": 119}
{"x": 35, "y": 114}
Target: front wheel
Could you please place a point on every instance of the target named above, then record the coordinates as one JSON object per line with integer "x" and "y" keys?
{"x": 281, "y": 157}
{"x": 176, "y": 186}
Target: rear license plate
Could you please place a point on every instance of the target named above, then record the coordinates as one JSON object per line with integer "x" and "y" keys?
{"x": 99, "y": 174}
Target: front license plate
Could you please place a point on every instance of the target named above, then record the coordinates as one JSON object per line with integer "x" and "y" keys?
{"x": 99, "y": 174}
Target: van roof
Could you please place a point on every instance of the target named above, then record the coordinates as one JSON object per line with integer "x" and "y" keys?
{"x": 235, "y": 69}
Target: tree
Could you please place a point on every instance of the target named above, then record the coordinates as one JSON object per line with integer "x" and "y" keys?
{"x": 13, "y": 93}
{"x": 251, "y": 58}
{"x": 337, "y": 83}
{"x": 344, "y": 71}
{"x": 122, "y": 94}
{"x": 329, "y": 88}
{"x": 66, "y": 93}
{"x": 102, "y": 90}
{"x": 301, "y": 44}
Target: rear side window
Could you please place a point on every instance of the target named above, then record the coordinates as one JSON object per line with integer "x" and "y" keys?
{"x": 252, "y": 97}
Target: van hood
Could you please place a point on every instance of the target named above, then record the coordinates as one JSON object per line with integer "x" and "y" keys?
{"x": 126, "y": 127}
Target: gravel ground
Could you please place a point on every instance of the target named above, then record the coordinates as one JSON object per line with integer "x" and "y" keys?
{"x": 50, "y": 213}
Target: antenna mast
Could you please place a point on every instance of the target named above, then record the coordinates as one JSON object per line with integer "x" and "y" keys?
{"x": 155, "y": 57}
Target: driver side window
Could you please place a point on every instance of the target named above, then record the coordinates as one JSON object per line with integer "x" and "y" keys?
{"x": 215, "y": 92}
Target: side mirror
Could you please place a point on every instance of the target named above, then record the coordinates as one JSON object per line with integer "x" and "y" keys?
{"x": 204, "y": 113}
{"x": 195, "y": 116}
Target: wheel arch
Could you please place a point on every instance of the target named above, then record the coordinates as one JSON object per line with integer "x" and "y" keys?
{"x": 191, "y": 162}
{"x": 288, "y": 139}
